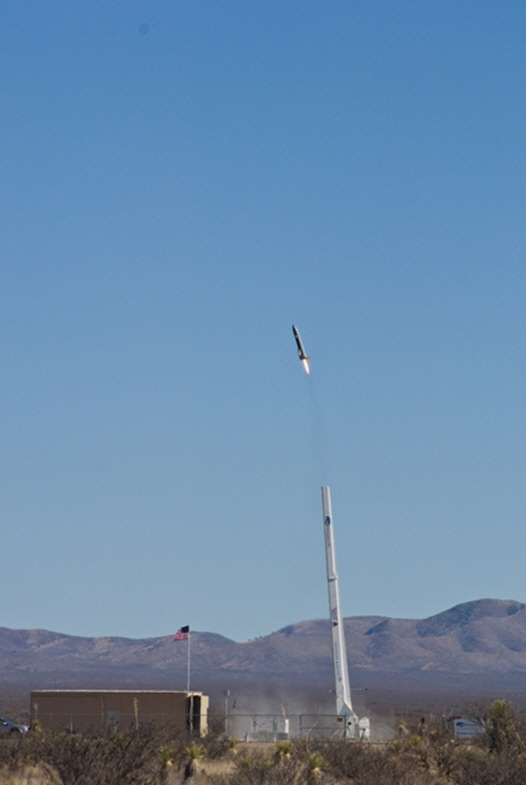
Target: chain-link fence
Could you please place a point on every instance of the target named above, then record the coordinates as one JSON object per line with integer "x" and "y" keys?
{"x": 244, "y": 727}
{"x": 280, "y": 727}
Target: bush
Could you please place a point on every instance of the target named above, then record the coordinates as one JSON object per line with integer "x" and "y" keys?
{"x": 500, "y": 733}
{"x": 147, "y": 757}
{"x": 123, "y": 759}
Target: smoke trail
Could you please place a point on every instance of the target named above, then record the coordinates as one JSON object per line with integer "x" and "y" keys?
{"x": 319, "y": 436}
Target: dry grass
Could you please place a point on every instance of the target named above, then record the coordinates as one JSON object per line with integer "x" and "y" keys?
{"x": 28, "y": 775}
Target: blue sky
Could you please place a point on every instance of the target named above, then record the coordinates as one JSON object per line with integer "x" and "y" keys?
{"x": 182, "y": 181}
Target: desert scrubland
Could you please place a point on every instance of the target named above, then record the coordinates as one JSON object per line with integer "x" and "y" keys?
{"x": 418, "y": 754}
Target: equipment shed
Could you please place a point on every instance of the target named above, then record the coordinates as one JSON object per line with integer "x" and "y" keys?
{"x": 83, "y": 710}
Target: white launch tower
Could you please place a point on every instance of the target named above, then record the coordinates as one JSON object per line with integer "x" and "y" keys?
{"x": 354, "y": 728}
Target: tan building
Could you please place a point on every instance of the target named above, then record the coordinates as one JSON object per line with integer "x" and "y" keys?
{"x": 82, "y": 710}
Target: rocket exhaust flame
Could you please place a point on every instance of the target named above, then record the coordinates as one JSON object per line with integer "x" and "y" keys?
{"x": 305, "y": 363}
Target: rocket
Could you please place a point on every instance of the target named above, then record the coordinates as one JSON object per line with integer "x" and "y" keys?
{"x": 304, "y": 357}
{"x": 299, "y": 343}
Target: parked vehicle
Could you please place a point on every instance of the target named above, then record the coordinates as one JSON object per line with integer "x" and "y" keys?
{"x": 8, "y": 726}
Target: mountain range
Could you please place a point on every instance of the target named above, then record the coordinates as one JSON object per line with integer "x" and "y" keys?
{"x": 480, "y": 637}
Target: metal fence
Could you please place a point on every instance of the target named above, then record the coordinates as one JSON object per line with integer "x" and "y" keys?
{"x": 244, "y": 727}
{"x": 278, "y": 727}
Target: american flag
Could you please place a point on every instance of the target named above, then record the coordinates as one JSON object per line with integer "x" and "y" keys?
{"x": 182, "y": 634}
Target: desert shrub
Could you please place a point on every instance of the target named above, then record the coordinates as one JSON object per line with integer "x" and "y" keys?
{"x": 410, "y": 761}
{"x": 445, "y": 756}
{"x": 261, "y": 769}
{"x": 10, "y": 750}
{"x": 357, "y": 763}
{"x": 146, "y": 757}
{"x": 315, "y": 763}
{"x": 432, "y": 753}
{"x": 28, "y": 775}
{"x": 500, "y": 733}
{"x": 216, "y": 745}
{"x": 284, "y": 747}
{"x": 122, "y": 759}
{"x": 474, "y": 766}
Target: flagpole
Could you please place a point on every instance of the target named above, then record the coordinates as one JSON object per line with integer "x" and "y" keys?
{"x": 188, "y": 664}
